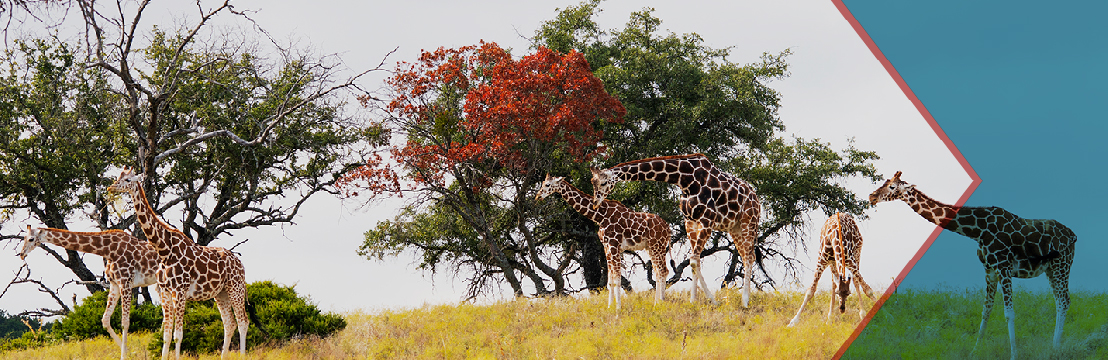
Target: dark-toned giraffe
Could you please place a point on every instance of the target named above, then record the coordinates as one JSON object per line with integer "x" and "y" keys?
{"x": 130, "y": 262}
{"x": 189, "y": 272}
{"x": 840, "y": 247}
{"x": 711, "y": 199}
{"x": 620, "y": 229}
{"x": 1007, "y": 245}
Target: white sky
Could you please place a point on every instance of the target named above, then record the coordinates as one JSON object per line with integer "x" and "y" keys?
{"x": 837, "y": 91}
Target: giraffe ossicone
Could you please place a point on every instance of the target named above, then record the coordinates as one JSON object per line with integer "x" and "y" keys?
{"x": 130, "y": 262}
{"x": 1007, "y": 245}
{"x": 711, "y": 199}
{"x": 840, "y": 247}
{"x": 189, "y": 272}
{"x": 620, "y": 229}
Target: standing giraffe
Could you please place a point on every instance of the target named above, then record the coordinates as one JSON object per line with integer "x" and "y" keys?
{"x": 841, "y": 246}
{"x": 620, "y": 229}
{"x": 1008, "y": 246}
{"x": 189, "y": 272}
{"x": 130, "y": 263}
{"x": 710, "y": 200}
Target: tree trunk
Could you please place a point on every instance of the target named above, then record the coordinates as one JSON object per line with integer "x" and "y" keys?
{"x": 593, "y": 264}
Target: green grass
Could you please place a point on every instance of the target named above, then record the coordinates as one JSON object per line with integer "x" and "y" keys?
{"x": 943, "y": 324}
{"x": 561, "y": 328}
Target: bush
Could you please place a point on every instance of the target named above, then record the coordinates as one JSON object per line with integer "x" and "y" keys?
{"x": 283, "y": 316}
{"x": 84, "y": 321}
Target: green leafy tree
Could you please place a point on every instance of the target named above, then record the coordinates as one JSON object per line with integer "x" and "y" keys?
{"x": 683, "y": 97}
{"x": 230, "y": 134}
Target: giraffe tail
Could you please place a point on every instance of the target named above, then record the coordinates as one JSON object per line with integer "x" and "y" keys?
{"x": 254, "y": 318}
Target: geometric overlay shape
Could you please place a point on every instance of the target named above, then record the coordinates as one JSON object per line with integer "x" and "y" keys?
{"x": 938, "y": 132}
{"x": 1019, "y": 89}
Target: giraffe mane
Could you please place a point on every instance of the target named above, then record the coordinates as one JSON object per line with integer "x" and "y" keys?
{"x": 606, "y": 200}
{"x": 83, "y": 232}
{"x": 687, "y": 156}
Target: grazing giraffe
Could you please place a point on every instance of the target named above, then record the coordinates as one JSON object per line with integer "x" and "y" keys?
{"x": 620, "y": 229}
{"x": 1007, "y": 245}
{"x": 130, "y": 262}
{"x": 841, "y": 246}
{"x": 189, "y": 272}
{"x": 710, "y": 200}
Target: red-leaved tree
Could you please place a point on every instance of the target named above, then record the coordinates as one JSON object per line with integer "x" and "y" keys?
{"x": 476, "y": 131}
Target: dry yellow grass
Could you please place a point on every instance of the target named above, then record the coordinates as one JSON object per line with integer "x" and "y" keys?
{"x": 557, "y": 328}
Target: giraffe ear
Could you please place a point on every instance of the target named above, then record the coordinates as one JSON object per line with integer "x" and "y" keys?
{"x": 594, "y": 171}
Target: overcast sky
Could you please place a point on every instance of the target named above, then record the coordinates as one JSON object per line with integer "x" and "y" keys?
{"x": 837, "y": 91}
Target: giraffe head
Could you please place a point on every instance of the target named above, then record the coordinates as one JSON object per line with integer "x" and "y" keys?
{"x": 549, "y": 186}
{"x": 30, "y": 241}
{"x": 128, "y": 182}
{"x": 602, "y": 183}
{"x": 892, "y": 189}
{"x": 842, "y": 290}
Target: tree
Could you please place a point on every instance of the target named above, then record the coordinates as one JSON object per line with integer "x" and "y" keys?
{"x": 683, "y": 97}
{"x": 680, "y": 97}
{"x": 482, "y": 129}
{"x": 227, "y": 136}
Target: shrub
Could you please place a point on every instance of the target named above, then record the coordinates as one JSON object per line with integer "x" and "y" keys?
{"x": 283, "y": 316}
{"x": 12, "y": 326}
{"x": 84, "y": 321}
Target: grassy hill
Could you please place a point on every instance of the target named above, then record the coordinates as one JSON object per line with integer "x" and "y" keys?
{"x": 561, "y": 328}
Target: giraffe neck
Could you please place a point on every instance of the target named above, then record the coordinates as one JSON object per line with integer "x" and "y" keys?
{"x": 160, "y": 234}
{"x": 678, "y": 170}
{"x": 580, "y": 201}
{"x": 92, "y": 243}
{"x": 931, "y": 209}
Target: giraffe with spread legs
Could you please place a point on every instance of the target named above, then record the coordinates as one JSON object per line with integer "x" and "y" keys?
{"x": 621, "y": 229}
{"x": 841, "y": 248}
{"x": 711, "y": 199}
{"x": 130, "y": 262}
{"x": 1007, "y": 245}
{"x": 189, "y": 272}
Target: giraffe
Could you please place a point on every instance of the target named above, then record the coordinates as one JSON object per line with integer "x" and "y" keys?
{"x": 841, "y": 246}
{"x": 1008, "y": 246}
{"x": 130, "y": 263}
{"x": 710, "y": 200}
{"x": 189, "y": 272}
{"x": 620, "y": 229}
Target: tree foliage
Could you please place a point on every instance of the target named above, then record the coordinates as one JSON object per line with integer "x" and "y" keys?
{"x": 679, "y": 96}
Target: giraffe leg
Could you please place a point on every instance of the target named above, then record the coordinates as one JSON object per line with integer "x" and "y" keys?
{"x": 811, "y": 291}
{"x": 178, "y": 326}
{"x": 992, "y": 280}
{"x": 862, "y": 288}
{"x": 226, "y": 315}
{"x": 834, "y": 292}
{"x": 612, "y": 255}
{"x": 125, "y": 323}
{"x": 698, "y": 237}
{"x": 1009, "y": 312}
{"x": 748, "y": 276}
{"x": 744, "y": 243}
{"x": 238, "y": 304}
{"x": 109, "y": 309}
{"x": 168, "y": 319}
{"x": 658, "y": 259}
{"x": 1060, "y": 284}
